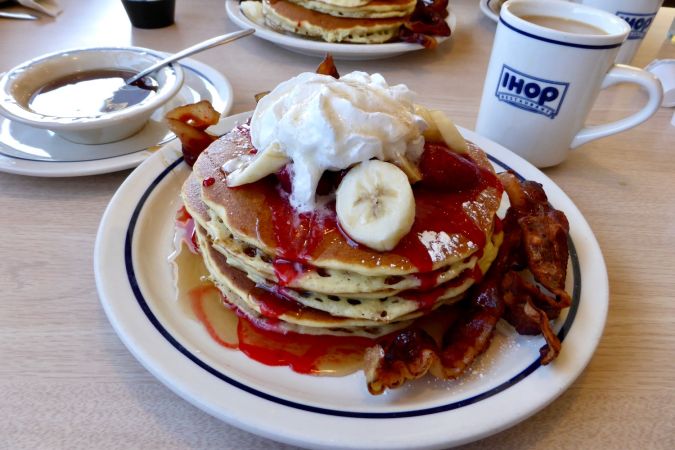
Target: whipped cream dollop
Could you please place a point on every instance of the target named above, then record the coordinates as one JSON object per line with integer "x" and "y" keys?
{"x": 321, "y": 123}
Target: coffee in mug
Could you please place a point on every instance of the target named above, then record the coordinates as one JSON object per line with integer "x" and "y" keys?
{"x": 566, "y": 25}
{"x": 542, "y": 81}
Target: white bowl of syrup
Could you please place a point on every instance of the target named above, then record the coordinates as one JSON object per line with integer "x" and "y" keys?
{"x": 81, "y": 95}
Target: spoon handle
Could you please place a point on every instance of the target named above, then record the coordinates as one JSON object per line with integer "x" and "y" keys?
{"x": 209, "y": 43}
{"x": 22, "y": 16}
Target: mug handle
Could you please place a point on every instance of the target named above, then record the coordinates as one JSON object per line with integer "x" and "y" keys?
{"x": 624, "y": 74}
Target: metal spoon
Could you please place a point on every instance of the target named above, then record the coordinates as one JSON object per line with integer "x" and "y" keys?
{"x": 205, "y": 45}
{"x": 20, "y": 16}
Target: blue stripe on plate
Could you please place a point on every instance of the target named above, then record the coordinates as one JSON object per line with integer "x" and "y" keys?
{"x": 576, "y": 270}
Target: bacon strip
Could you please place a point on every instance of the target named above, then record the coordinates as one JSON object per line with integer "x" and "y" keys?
{"x": 406, "y": 356}
{"x": 545, "y": 232}
{"x": 189, "y": 123}
{"x": 472, "y": 335}
{"x": 426, "y": 21}
{"x": 327, "y": 67}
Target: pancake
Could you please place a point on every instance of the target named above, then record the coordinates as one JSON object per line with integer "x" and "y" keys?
{"x": 378, "y": 308}
{"x": 346, "y": 282}
{"x": 459, "y": 227}
{"x": 376, "y": 9}
{"x": 242, "y": 292}
{"x": 289, "y": 17}
{"x": 310, "y": 310}
{"x": 346, "y": 3}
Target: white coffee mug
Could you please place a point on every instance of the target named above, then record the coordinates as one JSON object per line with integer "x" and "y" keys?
{"x": 542, "y": 82}
{"x": 638, "y": 13}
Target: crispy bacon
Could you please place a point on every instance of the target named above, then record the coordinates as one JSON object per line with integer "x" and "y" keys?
{"x": 545, "y": 238}
{"x": 426, "y": 21}
{"x": 406, "y": 35}
{"x": 200, "y": 115}
{"x": 428, "y": 18}
{"x": 327, "y": 67}
{"x": 471, "y": 335}
{"x": 529, "y": 311}
{"x": 405, "y": 356}
{"x": 412, "y": 353}
{"x": 189, "y": 123}
{"x": 544, "y": 232}
{"x": 437, "y": 6}
{"x": 535, "y": 242}
{"x": 525, "y": 312}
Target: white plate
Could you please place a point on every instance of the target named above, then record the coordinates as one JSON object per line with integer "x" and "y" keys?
{"x": 312, "y": 47}
{"x": 507, "y": 385}
{"x": 491, "y": 8}
{"x": 29, "y": 151}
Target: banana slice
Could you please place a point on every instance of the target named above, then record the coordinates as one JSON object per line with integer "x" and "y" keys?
{"x": 375, "y": 204}
{"x": 262, "y": 164}
{"x": 449, "y": 131}
{"x": 441, "y": 129}
{"x": 431, "y": 134}
{"x": 408, "y": 167}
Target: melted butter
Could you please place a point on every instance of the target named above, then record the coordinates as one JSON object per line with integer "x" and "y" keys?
{"x": 198, "y": 298}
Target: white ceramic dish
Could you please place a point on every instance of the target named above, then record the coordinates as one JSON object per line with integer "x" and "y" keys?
{"x": 491, "y": 8}
{"x": 29, "y": 151}
{"x": 312, "y": 47}
{"x": 506, "y": 385}
{"x": 19, "y": 84}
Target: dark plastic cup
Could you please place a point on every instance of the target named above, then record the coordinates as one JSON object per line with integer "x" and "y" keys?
{"x": 150, "y": 13}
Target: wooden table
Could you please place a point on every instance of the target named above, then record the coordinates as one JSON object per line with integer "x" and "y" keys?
{"x": 68, "y": 382}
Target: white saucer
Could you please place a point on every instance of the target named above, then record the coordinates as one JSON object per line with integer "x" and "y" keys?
{"x": 29, "y": 151}
{"x": 312, "y": 47}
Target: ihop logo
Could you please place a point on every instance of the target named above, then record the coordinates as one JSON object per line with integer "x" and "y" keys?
{"x": 639, "y": 23}
{"x": 531, "y": 93}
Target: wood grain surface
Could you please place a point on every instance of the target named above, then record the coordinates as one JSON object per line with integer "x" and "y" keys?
{"x": 66, "y": 380}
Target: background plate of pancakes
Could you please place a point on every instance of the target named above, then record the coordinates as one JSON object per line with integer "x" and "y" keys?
{"x": 506, "y": 385}
{"x": 314, "y": 47}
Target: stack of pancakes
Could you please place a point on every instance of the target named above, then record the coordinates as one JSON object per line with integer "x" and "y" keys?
{"x": 357, "y": 21}
{"x": 339, "y": 288}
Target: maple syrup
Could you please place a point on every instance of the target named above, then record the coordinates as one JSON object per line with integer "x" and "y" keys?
{"x": 90, "y": 93}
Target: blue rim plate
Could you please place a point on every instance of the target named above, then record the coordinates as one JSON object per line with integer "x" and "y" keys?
{"x": 25, "y": 150}
{"x": 507, "y": 384}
